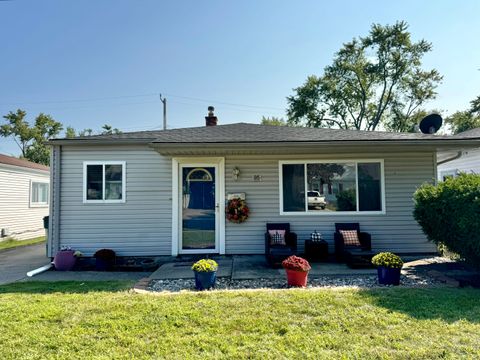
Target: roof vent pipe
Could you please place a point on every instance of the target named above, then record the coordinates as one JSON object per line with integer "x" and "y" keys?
{"x": 211, "y": 119}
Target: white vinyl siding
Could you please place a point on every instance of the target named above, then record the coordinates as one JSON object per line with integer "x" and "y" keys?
{"x": 22, "y": 219}
{"x": 468, "y": 163}
{"x": 141, "y": 226}
{"x": 395, "y": 230}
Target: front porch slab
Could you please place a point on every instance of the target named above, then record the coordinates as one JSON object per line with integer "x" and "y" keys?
{"x": 182, "y": 269}
{"x": 246, "y": 267}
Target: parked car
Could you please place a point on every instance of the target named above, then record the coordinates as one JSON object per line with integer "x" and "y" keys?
{"x": 315, "y": 200}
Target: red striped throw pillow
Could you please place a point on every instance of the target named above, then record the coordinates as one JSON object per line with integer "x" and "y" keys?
{"x": 350, "y": 237}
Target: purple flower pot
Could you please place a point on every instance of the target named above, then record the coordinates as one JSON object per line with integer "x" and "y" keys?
{"x": 388, "y": 276}
{"x": 64, "y": 260}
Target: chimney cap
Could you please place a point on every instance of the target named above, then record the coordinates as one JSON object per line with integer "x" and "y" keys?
{"x": 211, "y": 119}
{"x": 211, "y": 109}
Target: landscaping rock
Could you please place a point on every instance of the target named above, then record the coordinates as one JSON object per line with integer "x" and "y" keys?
{"x": 368, "y": 281}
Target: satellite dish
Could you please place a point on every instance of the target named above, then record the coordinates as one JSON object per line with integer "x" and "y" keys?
{"x": 431, "y": 123}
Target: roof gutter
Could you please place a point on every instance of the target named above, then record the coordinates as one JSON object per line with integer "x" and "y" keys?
{"x": 98, "y": 141}
{"x": 151, "y": 142}
{"x": 459, "y": 155}
{"x": 446, "y": 142}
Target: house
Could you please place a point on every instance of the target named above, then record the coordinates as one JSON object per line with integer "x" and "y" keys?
{"x": 24, "y": 198}
{"x": 467, "y": 161}
{"x": 164, "y": 192}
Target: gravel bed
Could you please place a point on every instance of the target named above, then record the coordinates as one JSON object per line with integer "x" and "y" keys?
{"x": 224, "y": 283}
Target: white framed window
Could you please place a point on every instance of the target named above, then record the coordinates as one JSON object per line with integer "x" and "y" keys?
{"x": 331, "y": 187}
{"x": 39, "y": 191}
{"x": 444, "y": 175}
{"x": 104, "y": 181}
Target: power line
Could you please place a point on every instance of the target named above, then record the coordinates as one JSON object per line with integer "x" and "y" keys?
{"x": 223, "y": 103}
{"x": 226, "y": 108}
{"x": 76, "y": 100}
{"x": 16, "y": 103}
{"x": 95, "y": 106}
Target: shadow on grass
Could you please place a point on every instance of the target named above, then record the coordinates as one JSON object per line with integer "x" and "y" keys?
{"x": 447, "y": 304}
{"x": 73, "y": 287}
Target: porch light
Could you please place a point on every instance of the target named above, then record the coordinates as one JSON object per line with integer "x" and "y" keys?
{"x": 235, "y": 173}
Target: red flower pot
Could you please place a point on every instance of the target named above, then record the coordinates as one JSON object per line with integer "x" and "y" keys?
{"x": 64, "y": 260}
{"x": 296, "y": 278}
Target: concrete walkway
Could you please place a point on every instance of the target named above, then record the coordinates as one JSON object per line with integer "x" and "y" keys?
{"x": 16, "y": 262}
{"x": 88, "y": 276}
{"x": 251, "y": 267}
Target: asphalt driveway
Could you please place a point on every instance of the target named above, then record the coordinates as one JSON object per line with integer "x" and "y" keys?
{"x": 16, "y": 262}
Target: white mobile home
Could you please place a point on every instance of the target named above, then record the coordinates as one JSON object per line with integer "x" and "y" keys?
{"x": 24, "y": 198}
{"x": 164, "y": 192}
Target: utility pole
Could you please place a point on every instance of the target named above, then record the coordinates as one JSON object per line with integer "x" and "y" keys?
{"x": 164, "y": 101}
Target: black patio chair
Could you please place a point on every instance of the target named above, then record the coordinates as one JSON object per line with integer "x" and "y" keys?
{"x": 275, "y": 254}
{"x": 354, "y": 255}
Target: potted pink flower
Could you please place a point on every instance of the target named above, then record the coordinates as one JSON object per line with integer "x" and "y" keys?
{"x": 297, "y": 269}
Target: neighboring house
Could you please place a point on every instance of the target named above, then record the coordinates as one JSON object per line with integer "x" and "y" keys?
{"x": 164, "y": 192}
{"x": 24, "y": 198}
{"x": 467, "y": 161}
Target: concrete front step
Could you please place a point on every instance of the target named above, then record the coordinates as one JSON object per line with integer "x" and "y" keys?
{"x": 244, "y": 267}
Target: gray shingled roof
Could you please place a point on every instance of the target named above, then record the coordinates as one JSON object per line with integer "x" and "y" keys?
{"x": 255, "y": 133}
{"x": 474, "y": 133}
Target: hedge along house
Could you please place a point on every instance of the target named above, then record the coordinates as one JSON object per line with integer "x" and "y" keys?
{"x": 164, "y": 192}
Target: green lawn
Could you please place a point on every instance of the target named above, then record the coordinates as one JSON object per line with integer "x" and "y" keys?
{"x": 74, "y": 320}
{"x": 8, "y": 244}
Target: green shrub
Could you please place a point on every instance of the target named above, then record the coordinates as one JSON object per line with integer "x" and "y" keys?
{"x": 449, "y": 214}
{"x": 205, "y": 265}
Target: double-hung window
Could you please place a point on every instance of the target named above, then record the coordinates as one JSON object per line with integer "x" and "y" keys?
{"x": 331, "y": 187}
{"x": 39, "y": 193}
{"x": 104, "y": 181}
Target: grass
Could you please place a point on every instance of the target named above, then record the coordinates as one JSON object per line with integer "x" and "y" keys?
{"x": 11, "y": 243}
{"x": 73, "y": 320}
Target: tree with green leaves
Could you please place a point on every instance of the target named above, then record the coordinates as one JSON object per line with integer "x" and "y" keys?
{"x": 461, "y": 121}
{"x": 31, "y": 138}
{"x": 273, "y": 121}
{"x": 475, "y": 106}
{"x": 109, "y": 130}
{"x": 374, "y": 81}
{"x": 106, "y": 130}
{"x": 70, "y": 132}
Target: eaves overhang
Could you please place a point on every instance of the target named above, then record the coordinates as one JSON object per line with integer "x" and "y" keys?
{"x": 194, "y": 148}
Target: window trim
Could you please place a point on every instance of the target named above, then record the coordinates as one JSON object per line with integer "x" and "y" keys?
{"x": 329, "y": 161}
{"x": 103, "y": 163}
{"x": 39, "y": 204}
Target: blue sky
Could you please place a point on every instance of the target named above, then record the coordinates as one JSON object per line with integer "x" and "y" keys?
{"x": 90, "y": 62}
